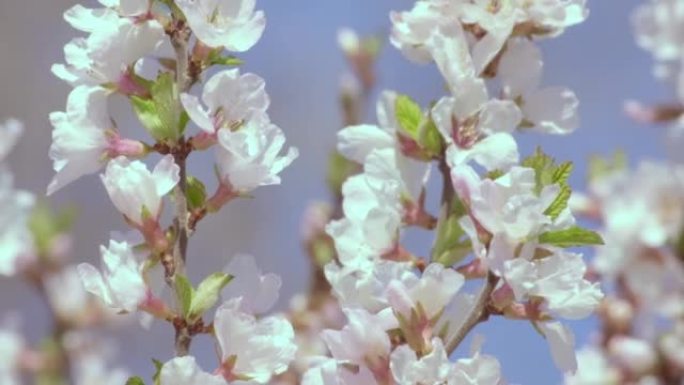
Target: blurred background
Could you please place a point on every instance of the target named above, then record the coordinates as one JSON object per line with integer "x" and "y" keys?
{"x": 299, "y": 58}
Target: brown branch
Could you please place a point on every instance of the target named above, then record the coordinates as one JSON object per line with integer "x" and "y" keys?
{"x": 478, "y": 313}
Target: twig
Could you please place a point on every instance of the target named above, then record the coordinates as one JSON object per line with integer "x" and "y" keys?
{"x": 180, "y": 36}
{"x": 477, "y": 314}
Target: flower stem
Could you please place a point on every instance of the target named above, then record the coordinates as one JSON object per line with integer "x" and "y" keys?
{"x": 179, "y": 39}
{"x": 477, "y": 314}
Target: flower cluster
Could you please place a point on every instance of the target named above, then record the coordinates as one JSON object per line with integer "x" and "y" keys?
{"x": 641, "y": 212}
{"x": 405, "y": 314}
{"x": 658, "y": 26}
{"x": 35, "y": 246}
{"x": 126, "y": 43}
{"x": 15, "y": 206}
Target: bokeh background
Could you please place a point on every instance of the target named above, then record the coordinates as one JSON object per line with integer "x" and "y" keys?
{"x": 302, "y": 65}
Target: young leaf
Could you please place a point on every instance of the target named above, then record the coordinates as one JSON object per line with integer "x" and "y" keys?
{"x": 207, "y": 294}
{"x": 571, "y": 237}
{"x": 448, "y": 248}
{"x": 135, "y": 381}
{"x": 560, "y": 203}
{"x": 562, "y": 173}
{"x": 184, "y": 293}
{"x": 543, "y": 166}
{"x": 196, "y": 193}
{"x": 157, "y": 371}
{"x": 430, "y": 140}
{"x": 409, "y": 116}
{"x": 160, "y": 114}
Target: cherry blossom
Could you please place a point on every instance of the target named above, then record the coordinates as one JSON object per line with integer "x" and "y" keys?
{"x": 232, "y": 100}
{"x": 232, "y": 24}
{"x": 135, "y": 191}
{"x": 120, "y": 285}
{"x": 251, "y": 348}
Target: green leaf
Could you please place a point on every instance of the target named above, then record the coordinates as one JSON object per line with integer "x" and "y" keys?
{"x": 409, "y": 116}
{"x": 601, "y": 167}
{"x": 196, "y": 193}
{"x": 215, "y": 58}
{"x": 430, "y": 139}
{"x": 562, "y": 173}
{"x": 184, "y": 293}
{"x": 543, "y": 166}
{"x": 46, "y": 225}
{"x": 572, "y": 237}
{"x": 161, "y": 114}
{"x": 157, "y": 371}
{"x": 339, "y": 169}
{"x": 560, "y": 203}
{"x": 207, "y": 294}
{"x": 449, "y": 248}
{"x": 135, "y": 381}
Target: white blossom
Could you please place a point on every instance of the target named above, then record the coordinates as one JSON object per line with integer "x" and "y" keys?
{"x": 332, "y": 372}
{"x": 66, "y": 292}
{"x": 432, "y": 368}
{"x": 260, "y": 348}
{"x": 508, "y": 205}
{"x": 249, "y": 157}
{"x": 637, "y": 356}
{"x": 185, "y": 371}
{"x": 259, "y": 292}
{"x": 363, "y": 287}
{"x": 433, "y": 290}
{"x": 480, "y": 369}
{"x": 120, "y": 285}
{"x": 363, "y": 340}
{"x": 377, "y": 148}
{"x": 561, "y": 341}
{"x": 558, "y": 279}
{"x": 104, "y": 57}
{"x": 411, "y": 30}
{"x": 15, "y": 207}
{"x": 79, "y": 140}
{"x": 477, "y": 128}
{"x": 550, "y": 110}
{"x": 135, "y": 191}
{"x": 10, "y": 131}
{"x": 11, "y": 349}
{"x": 232, "y": 24}
{"x": 593, "y": 368}
{"x": 232, "y": 99}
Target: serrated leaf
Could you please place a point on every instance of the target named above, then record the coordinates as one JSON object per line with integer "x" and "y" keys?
{"x": 196, "y": 193}
{"x": 562, "y": 172}
{"x": 560, "y": 203}
{"x": 572, "y": 237}
{"x": 207, "y": 294}
{"x": 543, "y": 166}
{"x": 184, "y": 293}
{"x": 135, "y": 381}
{"x": 409, "y": 116}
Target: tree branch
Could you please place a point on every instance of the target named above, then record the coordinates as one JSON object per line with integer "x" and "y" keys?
{"x": 477, "y": 314}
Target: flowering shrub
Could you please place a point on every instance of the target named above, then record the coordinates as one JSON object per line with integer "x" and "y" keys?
{"x": 377, "y": 311}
